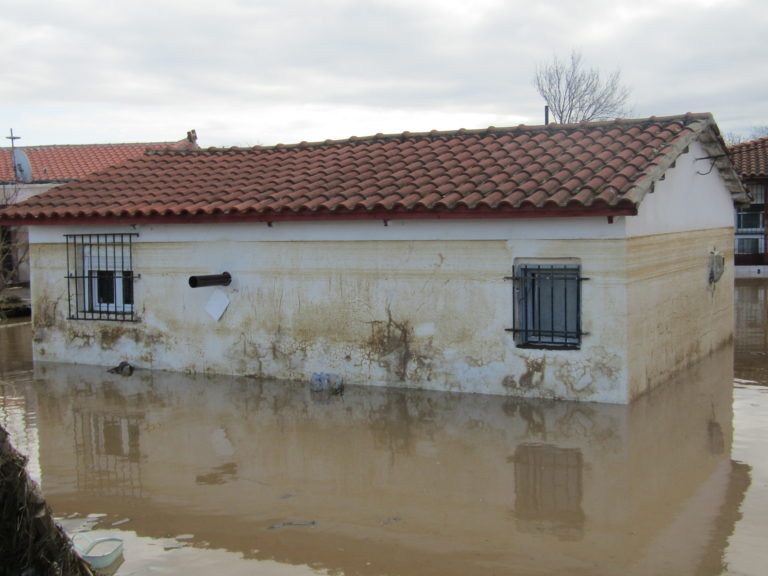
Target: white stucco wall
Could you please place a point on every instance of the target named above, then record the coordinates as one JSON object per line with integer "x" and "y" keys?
{"x": 676, "y": 316}
{"x": 416, "y": 304}
{"x": 690, "y": 197}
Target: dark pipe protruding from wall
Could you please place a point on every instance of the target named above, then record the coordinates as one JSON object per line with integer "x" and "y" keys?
{"x": 211, "y": 280}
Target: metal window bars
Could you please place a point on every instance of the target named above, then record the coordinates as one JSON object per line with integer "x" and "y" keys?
{"x": 547, "y": 306}
{"x": 107, "y": 448}
{"x": 100, "y": 276}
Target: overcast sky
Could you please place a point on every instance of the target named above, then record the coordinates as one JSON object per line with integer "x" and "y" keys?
{"x": 247, "y": 72}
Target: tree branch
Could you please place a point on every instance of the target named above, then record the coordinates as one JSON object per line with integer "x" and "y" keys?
{"x": 575, "y": 94}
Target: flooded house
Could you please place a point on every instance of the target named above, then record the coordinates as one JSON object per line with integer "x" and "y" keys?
{"x": 586, "y": 262}
{"x": 750, "y": 160}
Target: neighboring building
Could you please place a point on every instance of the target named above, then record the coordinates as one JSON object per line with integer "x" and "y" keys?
{"x": 26, "y": 171}
{"x": 751, "y": 162}
{"x": 557, "y": 261}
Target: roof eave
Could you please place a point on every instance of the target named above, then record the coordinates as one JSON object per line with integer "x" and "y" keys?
{"x": 709, "y": 137}
{"x": 306, "y": 216}
{"x": 715, "y": 147}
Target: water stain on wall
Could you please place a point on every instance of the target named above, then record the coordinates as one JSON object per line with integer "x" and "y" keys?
{"x": 390, "y": 345}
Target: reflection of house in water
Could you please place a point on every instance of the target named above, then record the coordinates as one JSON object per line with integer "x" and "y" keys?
{"x": 548, "y": 488}
{"x": 751, "y": 315}
{"x": 396, "y": 475}
{"x": 15, "y": 352}
{"x": 751, "y": 328}
{"x": 107, "y": 451}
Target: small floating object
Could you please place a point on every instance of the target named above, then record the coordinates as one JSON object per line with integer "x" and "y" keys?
{"x": 101, "y": 552}
{"x": 121, "y": 522}
{"x": 287, "y": 524}
{"x": 124, "y": 369}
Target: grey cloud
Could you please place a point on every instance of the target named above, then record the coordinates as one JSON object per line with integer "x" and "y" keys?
{"x": 185, "y": 60}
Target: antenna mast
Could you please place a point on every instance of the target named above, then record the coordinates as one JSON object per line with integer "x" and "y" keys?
{"x": 13, "y": 139}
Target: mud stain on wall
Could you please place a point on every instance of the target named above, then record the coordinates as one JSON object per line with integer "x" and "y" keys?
{"x": 532, "y": 378}
{"x": 390, "y": 345}
{"x": 580, "y": 377}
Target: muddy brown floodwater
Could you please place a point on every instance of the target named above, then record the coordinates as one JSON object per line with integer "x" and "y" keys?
{"x": 207, "y": 474}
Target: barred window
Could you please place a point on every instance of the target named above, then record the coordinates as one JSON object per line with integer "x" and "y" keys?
{"x": 100, "y": 276}
{"x": 548, "y": 305}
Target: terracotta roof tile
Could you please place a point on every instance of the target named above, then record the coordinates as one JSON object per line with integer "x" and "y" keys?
{"x": 750, "y": 158}
{"x": 538, "y": 169}
{"x": 68, "y": 162}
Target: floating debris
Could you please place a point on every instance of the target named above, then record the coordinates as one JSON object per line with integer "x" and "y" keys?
{"x": 288, "y": 524}
{"x": 100, "y": 553}
{"x": 124, "y": 369}
{"x": 120, "y": 522}
{"x": 391, "y": 520}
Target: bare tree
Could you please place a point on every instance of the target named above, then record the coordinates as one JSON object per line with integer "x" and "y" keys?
{"x": 13, "y": 243}
{"x": 733, "y": 138}
{"x": 758, "y": 132}
{"x": 574, "y": 93}
{"x": 13, "y": 256}
{"x": 755, "y": 133}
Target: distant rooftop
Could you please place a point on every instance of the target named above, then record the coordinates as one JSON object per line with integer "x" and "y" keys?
{"x": 750, "y": 158}
{"x": 63, "y": 163}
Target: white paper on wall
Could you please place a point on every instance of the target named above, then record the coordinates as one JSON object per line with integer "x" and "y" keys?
{"x": 217, "y": 304}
